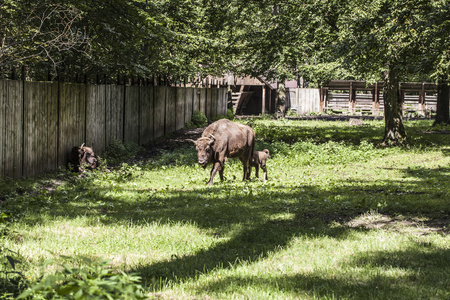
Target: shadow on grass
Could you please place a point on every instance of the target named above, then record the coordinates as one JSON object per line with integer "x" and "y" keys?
{"x": 270, "y": 217}
{"x": 403, "y": 274}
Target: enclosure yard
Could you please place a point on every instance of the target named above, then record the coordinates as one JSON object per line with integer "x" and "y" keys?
{"x": 339, "y": 217}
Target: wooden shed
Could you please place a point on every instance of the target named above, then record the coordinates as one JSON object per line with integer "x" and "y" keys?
{"x": 251, "y": 96}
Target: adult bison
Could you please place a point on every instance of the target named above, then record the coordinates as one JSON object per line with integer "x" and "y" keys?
{"x": 224, "y": 139}
{"x": 83, "y": 157}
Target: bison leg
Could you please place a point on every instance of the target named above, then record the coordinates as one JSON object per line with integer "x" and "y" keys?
{"x": 247, "y": 171}
{"x": 221, "y": 172}
{"x": 265, "y": 172}
{"x": 216, "y": 167}
{"x": 257, "y": 171}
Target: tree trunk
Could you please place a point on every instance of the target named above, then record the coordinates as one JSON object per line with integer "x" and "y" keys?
{"x": 394, "y": 133}
{"x": 281, "y": 100}
{"x": 442, "y": 109}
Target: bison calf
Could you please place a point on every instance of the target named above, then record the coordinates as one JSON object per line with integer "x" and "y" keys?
{"x": 83, "y": 157}
{"x": 259, "y": 159}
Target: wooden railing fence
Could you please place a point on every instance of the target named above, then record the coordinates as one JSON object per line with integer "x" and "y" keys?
{"x": 41, "y": 121}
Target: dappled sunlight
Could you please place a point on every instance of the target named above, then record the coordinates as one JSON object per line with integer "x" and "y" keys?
{"x": 323, "y": 225}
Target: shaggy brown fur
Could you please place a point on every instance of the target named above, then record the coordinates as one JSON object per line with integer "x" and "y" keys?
{"x": 83, "y": 157}
{"x": 224, "y": 139}
{"x": 259, "y": 160}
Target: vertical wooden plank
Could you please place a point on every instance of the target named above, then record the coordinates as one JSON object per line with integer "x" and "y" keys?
{"x": 72, "y": 117}
{"x": 189, "y": 104}
{"x": 12, "y": 120}
{"x": 146, "y": 114}
{"x": 132, "y": 106}
{"x": 180, "y": 108}
{"x": 214, "y": 100}
{"x": 40, "y": 127}
{"x": 219, "y": 108}
{"x": 95, "y": 117}
{"x": 203, "y": 100}
{"x": 263, "y": 100}
{"x": 171, "y": 98}
{"x": 224, "y": 92}
{"x": 159, "y": 110}
{"x": 114, "y": 113}
{"x": 29, "y": 125}
{"x": 208, "y": 103}
{"x": 51, "y": 119}
{"x": 196, "y": 103}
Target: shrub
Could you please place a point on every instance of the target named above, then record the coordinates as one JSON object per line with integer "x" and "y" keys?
{"x": 92, "y": 280}
{"x": 11, "y": 279}
{"x": 199, "y": 119}
{"x": 118, "y": 151}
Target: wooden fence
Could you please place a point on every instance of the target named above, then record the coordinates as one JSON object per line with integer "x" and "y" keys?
{"x": 40, "y": 122}
{"x": 304, "y": 101}
{"x": 357, "y": 97}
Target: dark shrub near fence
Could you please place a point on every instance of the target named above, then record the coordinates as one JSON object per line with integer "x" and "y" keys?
{"x": 40, "y": 122}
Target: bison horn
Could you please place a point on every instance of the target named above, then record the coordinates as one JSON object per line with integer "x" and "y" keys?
{"x": 212, "y": 137}
{"x": 82, "y": 145}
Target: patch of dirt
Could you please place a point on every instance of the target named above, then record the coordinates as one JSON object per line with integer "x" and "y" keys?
{"x": 436, "y": 132}
{"x": 170, "y": 142}
{"x": 412, "y": 225}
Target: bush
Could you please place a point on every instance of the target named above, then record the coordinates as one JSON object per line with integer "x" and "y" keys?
{"x": 11, "y": 279}
{"x": 92, "y": 280}
{"x": 199, "y": 119}
{"x": 117, "y": 151}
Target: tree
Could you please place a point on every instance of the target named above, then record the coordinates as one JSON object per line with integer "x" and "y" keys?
{"x": 385, "y": 37}
{"x": 39, "y": 31}
{"x": 439, "y": 45}
{"x": 112, "y": 37}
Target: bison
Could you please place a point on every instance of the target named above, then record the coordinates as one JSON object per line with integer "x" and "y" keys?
{"x": 83, "y": 157}
{"x": 259, "y": 160}
{"x": 224, "y": 139}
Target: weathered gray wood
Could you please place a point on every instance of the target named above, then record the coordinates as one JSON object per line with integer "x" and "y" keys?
{"x": 40, "y": 127}
{"x": 171, "y": 98}
{"x": 95, "y": 117}
{"x": 308, "y": 101}
{"x": 159, "y": 110}
{"x": 54, "y": 117}
{"x": 197, "y": 96}
{"x": 114, "y": 113}
{"x": 11, "y": 120}
{"x": 180, "y": 108}
{"x": 146, "y": 114}
{"x": 52, "y": 124}
{"x": 214, "y": 102}
{"x": 208, "y": 106}
{"x": 222, "y": 103}
{"x": 132, "y": 107}
{"x": 72, "y": 119}
{"x": 189, "y": 104}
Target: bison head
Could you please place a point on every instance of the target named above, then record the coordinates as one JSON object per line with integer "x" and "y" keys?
{"x": 204, "y": 150}
{"x": 83, "y": 157}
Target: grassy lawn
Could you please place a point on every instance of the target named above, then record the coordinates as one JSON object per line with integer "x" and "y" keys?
{"x": 339, "y": 218}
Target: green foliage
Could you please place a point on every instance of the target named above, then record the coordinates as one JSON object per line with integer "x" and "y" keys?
{"x": 199, "y": 119}
{"x": 118, "y": 151}
{"x": 92, "y": 279}
{"x": 12, "y": 281}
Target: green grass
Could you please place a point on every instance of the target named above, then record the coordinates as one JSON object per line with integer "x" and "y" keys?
{"x": 339, "y": 218}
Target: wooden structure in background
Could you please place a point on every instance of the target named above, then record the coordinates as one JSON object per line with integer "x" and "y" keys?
{"x": 356, "y": 97}
{"x": 251, "y": 96}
